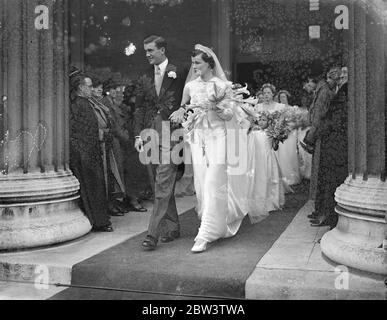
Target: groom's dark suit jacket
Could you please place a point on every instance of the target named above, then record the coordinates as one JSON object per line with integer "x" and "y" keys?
{"x": 171, "y": 90}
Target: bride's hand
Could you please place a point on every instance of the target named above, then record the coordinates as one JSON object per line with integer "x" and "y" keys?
{"x": 178, "y": 116}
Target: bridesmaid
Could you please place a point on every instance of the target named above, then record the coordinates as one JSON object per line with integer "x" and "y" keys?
{"x": 287, "y": 153}
{"x": 266, "y": 188}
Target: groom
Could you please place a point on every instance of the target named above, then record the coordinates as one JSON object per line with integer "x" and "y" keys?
{"x": 167, "y": 87}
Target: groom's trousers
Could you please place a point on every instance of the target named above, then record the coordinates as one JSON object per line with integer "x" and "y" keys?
{"x": 164, "y": 218}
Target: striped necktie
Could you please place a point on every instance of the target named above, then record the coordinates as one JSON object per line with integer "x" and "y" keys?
{"x": 158, "y": 79}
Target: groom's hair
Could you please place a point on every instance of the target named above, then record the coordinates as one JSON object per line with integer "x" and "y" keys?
{"x": 159, "y": 41}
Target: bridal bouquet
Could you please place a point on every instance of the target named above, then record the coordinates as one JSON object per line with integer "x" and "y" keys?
{"x": 224, "y": 100}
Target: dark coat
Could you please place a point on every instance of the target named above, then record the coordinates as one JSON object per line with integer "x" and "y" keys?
{"x": 152, "y": 116}
{"x": 86, "y": 161}
{"x": 318, "y": 111}
{"x": 333, "y": 164}
{"x": 121, "y": 138}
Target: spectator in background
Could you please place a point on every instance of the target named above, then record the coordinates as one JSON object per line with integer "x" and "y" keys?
{"x": 130, "y": 155}
{"x": 130, "y": 103}
{"x": 85, "y": 153}
{"x": 305, "y": 158}
{"x": 309, "y": 89}
{"x": 334, "y": 155}
{"x": 343, "y": 78}
{"x": 260, "y": 97}
{"x": 114, "y": 97}
{"x": 328, "y": 133}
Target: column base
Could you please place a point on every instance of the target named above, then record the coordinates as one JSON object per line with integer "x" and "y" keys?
{"x": 40, "y": 209}
{"x": 357, "y": 241}
{"x": 33, "y": 225}
{"x": 34, "y": 187}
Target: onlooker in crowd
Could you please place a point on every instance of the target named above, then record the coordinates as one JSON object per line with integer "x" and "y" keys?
{"x": 333, "y": 168}
{"x": 308, "y": 93}
{"x": 318, "y": 137}
{"x": 260, "y": 97}
{"x": 114, "y": 97}
{"x": 85, "y": 154}
{"x": 129, "y": 153}
{"x": 305, "y": 158}
{"x": 113, "y": 179}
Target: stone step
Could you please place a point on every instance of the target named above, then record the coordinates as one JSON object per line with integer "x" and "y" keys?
{"x": 55, "y": 263}
{"x": 26, "y": 291}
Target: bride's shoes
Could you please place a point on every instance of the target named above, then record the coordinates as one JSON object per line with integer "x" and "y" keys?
{"x": 200, "y": 246}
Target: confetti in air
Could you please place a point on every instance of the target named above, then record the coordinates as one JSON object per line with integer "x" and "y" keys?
{"x": 130, "y": 49}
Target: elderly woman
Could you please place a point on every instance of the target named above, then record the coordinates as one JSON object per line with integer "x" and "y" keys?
{"x": 85, "y": 154}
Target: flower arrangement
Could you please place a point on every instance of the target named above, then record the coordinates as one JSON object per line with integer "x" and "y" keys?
{"x": 279, "y": 124}
{"x": 296, "y": 117}
{"x": 224, "y": 100}
{"x": 278, "y": 129}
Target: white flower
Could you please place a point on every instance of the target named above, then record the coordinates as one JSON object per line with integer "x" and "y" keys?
{"x": 130, "y": 49}
{"x": 172, "y": 74}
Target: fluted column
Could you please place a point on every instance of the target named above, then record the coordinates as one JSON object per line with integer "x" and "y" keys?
{"x": 362, "y": 199}
{"x": 220, "y": 33}
{"x": 38, "y": 193}
{"x": 77, "y": 24}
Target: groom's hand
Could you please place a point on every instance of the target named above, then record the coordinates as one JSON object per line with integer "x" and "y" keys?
{"x": 178, "y": 116}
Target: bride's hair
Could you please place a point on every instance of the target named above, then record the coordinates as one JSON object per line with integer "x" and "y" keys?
{"x": 206, "y": 58}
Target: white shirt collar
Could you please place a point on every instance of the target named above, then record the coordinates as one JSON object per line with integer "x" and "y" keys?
{"x": 163, "y": 66}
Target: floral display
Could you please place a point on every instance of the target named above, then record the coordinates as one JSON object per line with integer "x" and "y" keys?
{"x": 279, "y": 124}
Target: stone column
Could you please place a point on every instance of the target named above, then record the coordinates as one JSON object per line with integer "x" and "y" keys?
{"x": 362, "y": 199}
{"x": 38, "y": 192}
{"x": 220, "y": 33}
{"x": 77, "y": 45}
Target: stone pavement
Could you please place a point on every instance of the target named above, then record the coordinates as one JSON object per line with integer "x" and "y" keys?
{"x": 293, "y": 268}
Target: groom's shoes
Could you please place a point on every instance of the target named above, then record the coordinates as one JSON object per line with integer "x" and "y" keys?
{"x": 171, "y": 236}
{"x": 150, "y": 243}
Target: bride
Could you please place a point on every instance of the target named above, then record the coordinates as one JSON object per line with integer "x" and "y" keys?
{"x": 220, "y": 194}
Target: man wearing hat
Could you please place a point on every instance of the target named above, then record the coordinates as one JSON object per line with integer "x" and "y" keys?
{"x": 316, "y": 142}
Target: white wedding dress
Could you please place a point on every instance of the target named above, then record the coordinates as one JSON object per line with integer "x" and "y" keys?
{"x": 221, "y": 196}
